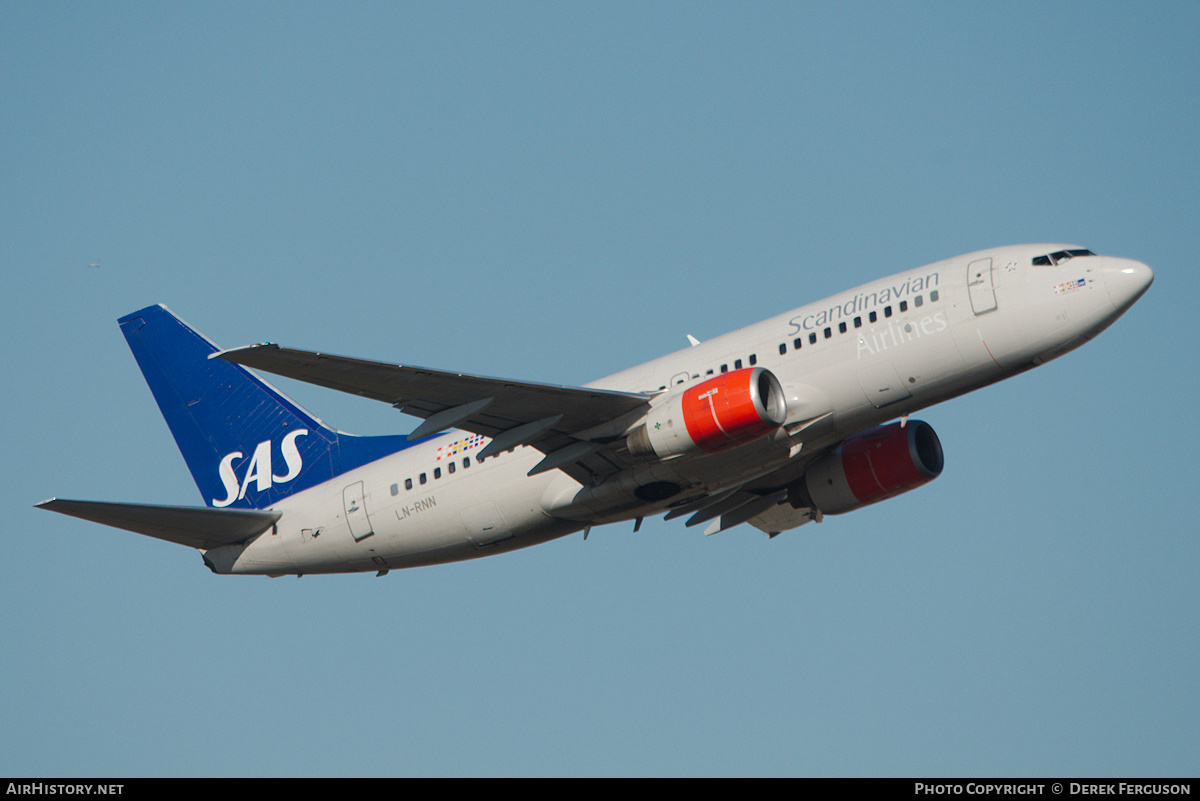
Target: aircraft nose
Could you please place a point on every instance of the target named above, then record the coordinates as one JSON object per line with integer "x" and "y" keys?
{"x": 1126, "y": 281}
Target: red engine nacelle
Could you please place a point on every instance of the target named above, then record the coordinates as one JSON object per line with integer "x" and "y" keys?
{"x": 724, "y": 411}
{"x": 872, "y": 466}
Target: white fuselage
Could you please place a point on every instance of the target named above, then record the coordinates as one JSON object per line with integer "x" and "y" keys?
{"x": 846, "y": 363}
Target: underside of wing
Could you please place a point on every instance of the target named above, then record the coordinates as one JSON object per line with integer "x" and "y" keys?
{"x": 194, "y": 526}
{"x": 569, "y": 424}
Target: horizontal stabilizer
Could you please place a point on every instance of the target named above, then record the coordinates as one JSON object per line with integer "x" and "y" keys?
{"x": 194, "y": 526}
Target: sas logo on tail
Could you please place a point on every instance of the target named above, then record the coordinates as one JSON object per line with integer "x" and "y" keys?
{"x": 259, "y": 470}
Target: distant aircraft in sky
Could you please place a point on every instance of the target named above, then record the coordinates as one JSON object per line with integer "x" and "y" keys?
{"x": 776, "y": 424}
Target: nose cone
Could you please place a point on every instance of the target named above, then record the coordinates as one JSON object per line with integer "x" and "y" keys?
{"x": 1126, "y": 281}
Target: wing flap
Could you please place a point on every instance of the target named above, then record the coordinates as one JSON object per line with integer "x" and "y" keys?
{"x": 194, "y": 526}
{"x": 428, "y": 393}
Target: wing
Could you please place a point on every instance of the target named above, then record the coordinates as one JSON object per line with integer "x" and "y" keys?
{"x": 571, "y": 425}
{"x": 193, "y": 526}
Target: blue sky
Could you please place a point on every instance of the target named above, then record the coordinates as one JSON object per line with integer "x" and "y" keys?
{"x": 554, "y": 192}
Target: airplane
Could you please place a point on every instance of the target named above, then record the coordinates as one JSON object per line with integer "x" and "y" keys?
{"x": 777, "y": 424}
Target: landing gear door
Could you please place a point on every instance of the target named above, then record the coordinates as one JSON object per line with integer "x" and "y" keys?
{"x": 485, "y": 525}
{"x": 979, "y": 284}
{"x": 356, "y": 511}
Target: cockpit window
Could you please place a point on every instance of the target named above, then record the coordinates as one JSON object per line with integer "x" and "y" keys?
{"x": 1060, "y": 256}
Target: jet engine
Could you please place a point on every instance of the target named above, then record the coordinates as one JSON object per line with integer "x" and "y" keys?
{"x": 722, "y": 412}
{"x": 877, "y": 464}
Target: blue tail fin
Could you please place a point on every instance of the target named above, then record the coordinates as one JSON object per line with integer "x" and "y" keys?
{"x": 246, "y": 445}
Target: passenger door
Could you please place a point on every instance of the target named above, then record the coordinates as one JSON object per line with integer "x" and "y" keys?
{"x": 355, "y": 505}
{"x": 979, "y": 284}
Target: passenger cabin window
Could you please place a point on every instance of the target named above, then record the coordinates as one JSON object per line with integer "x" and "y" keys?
{"x": 933, "y": 296}
{"x": 904, "y": 305}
